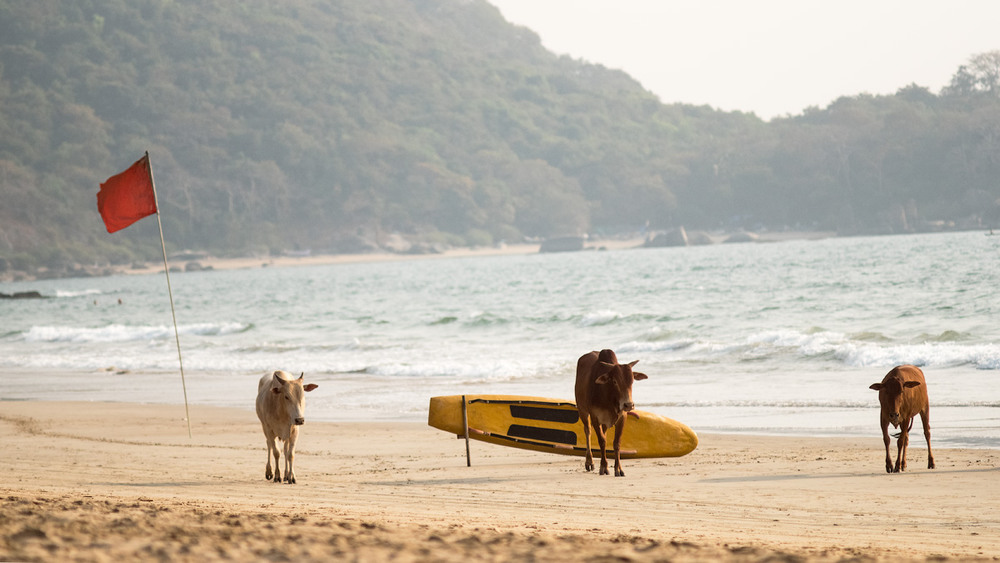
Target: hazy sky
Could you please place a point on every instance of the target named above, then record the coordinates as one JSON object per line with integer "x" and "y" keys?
{"x": 770, "y": 57}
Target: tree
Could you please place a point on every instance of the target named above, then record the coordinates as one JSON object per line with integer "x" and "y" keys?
{"x": 980, "y": 75}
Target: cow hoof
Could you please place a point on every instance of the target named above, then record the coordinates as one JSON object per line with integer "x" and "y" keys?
{"x": 588, "y": 466}
{"x": 619, "y": 473}
{"x": 604, "y": 471}
{"x": 268, "y": 476}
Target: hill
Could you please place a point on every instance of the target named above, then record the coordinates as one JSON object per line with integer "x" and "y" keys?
{"x": 330, "y": 125}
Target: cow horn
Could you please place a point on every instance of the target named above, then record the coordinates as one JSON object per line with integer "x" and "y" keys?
{"x": 302, "y": 376}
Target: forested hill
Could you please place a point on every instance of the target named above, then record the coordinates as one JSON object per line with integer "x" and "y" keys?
{"x": 329, "y": 124}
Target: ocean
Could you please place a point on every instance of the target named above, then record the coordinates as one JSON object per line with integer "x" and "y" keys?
{"x": 765, "y": 338}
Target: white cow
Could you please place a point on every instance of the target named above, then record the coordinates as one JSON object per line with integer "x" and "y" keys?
{"x": 281, "y": 408}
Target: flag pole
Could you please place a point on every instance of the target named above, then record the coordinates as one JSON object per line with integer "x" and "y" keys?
{"x": 173, "y": 313}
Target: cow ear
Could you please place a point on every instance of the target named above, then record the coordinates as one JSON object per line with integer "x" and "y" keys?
{"x": 602, "y": 379}
{"x": 875, "y": 386}
{"x": 910, "y": 383}
{"x": 639, "y": 376}
{"x": 310, "y": 387}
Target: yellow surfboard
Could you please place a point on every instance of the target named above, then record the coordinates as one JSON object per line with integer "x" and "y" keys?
{"x": 553, "y": 425}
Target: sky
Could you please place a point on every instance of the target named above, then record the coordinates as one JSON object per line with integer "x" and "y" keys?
{"x": 768, "y": 57}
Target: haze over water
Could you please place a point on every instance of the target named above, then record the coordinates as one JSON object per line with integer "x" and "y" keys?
{"x": 762, "y": 338}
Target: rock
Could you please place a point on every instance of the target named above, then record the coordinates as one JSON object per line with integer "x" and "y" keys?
{"x": 742, "y": 237}
{"x": 699, "y": 238}
{"x": 676, "y": 237}
{"x": 22, "y": 295}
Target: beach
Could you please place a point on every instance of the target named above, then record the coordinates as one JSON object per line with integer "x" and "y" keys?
{"x": 103, "y": 481}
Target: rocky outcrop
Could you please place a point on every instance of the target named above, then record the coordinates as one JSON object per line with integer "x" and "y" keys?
{"x": 676, "y": 237}
{"x": 23, "y": 295}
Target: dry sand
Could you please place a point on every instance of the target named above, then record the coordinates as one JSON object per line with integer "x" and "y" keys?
{"x": 114, "y": 481}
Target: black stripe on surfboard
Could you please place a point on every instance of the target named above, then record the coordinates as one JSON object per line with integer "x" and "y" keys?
{"x": 546, "y": 414}
{"x": 547, "y": 434}
{"x": 520, "y": 402}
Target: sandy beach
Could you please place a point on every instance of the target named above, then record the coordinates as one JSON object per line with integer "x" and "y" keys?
{"x": 112, "y": 481}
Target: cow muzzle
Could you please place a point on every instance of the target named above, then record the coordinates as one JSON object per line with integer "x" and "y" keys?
{"x": 300, "y": 421}
{"x": 628, "y": 407}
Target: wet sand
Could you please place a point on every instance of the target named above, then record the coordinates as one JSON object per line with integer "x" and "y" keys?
{"x": 113, "y": 481}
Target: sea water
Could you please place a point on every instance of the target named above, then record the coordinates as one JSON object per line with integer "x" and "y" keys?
{"x": 775, "y": 338}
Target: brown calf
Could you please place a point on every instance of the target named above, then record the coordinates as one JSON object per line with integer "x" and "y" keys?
{"x": 903, "y": 395}
{"x": 604, "y": 395}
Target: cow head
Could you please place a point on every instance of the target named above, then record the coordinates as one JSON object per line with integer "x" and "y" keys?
{"x": 292, "y": 394}
{"x": 620, "y": 378}
{"x": 890, "y": 396}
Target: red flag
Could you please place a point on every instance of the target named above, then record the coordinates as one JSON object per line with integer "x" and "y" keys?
{"x": 127, "y": 197}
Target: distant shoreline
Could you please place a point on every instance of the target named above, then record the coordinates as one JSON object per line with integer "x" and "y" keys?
{"x": 284, "y": 261}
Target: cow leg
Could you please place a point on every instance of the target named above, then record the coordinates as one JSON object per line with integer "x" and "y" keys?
{"x": 619, "y": 430}
{"x": 886, "y": 440}
{"x": 588, "y": 463}
{"x": 271, "y": 448}
{"x": 925, "y": 419}
{"x": 902, "y": 444}
{"x": 602, "y": 442}
{"x": 290, "y": 455}
{"x": 277, "y": 460}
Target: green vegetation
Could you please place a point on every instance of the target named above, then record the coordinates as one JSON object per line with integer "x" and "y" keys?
{"x": 328, "y": 124}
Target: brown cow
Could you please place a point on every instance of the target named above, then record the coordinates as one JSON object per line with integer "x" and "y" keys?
{"x": 281, "y": 407}
{"x": 604, "y": 394}
{"x": 903, "y": 394}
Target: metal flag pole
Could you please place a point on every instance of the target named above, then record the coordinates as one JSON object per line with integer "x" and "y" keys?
{"x": 173, "y": 313}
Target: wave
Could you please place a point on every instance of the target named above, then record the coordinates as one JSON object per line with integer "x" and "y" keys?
{"x": 352, "y": 345}
{"x": 79, "y": 293}
{"x": 125, "y": 333}
{"x": 862, "y": 350}
{"x": 981, "y": 356}
{"x": 599, "y": 318}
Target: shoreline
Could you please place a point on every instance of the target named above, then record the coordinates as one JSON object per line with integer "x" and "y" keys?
{"x": 210, "y": 262}
{"x": 521, "y": 249}
{"x": 121, "y": 480}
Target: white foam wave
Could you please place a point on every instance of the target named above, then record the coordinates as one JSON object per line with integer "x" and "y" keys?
{"x": 79, "y": 293}
{"x": 835, "y": 346}
{"x": 124, "y": 333}
{"x": 599, "y": 318}
{"x": 982, "y": 356}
